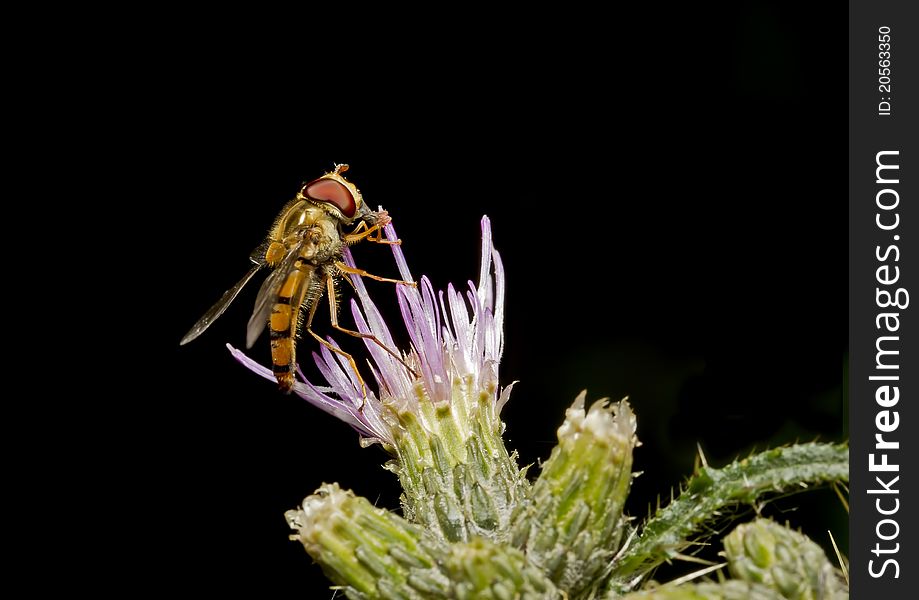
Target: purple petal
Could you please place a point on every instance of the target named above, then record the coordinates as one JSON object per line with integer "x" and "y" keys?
{"x": 387, "y": 375}
{"x": 485, "y": 268}
{"x": 461, "y": 325}
{"x": 499, "y": 301}
{"x": 377, "y": 325}
{"x": 333, "y": 373}
{"x": 316, "y": 397}
{"x": 397, "y": 253}
{"x": 412, "y": 314}
{"x": 434, "y": 344}
{"x": 251, "y": 364}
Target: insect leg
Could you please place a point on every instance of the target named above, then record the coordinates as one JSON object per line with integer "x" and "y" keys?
{"x": 333, "y": 306}
{"x": 309, "y": 324}
{"x": 362, "y": 273}
{"x": 358, "y": 235}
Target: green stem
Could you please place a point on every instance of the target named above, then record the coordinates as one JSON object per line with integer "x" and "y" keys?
{"x": 711, "y": 490}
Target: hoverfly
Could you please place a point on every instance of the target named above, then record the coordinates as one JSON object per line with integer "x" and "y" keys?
{"x": 304, "y": 249}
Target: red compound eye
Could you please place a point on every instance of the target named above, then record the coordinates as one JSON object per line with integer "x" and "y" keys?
{"x": 334, "y": 193}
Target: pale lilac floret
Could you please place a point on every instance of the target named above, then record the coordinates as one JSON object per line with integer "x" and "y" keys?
{"x": 453, "y": 336}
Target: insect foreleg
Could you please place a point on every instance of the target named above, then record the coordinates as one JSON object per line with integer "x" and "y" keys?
{"x": 362, "y": 273}
{"x": 358, "y": 235}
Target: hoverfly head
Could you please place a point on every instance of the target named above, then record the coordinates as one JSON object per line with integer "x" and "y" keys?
{"x": 336, "y": 195}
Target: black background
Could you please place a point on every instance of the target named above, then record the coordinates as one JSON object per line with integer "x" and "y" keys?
{"x": 668, "y": 199}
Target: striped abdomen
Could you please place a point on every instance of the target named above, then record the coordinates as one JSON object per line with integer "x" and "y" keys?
{"x": 282, "y": 324}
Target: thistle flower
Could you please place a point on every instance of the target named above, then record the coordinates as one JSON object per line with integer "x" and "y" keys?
{"x": 447, "y": 343}
{"x": 573, "y": 522}
{"x": 373, "y": 553}
{"x": 766, "y": 552}
{"x": 472, "y": 525}
{"x": 443, "y": 427}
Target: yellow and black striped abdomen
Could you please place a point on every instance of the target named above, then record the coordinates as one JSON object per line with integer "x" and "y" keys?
{"x": 282, "y": 324}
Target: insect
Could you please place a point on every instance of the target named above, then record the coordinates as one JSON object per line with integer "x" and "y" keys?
{"x": 304, "y": 250}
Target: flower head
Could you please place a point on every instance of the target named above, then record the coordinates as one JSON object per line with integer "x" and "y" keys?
{"x": 456, "y": 340}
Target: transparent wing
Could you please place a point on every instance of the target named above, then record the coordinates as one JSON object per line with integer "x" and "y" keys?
{"x": 267, "y": 294}
{"x": 219, "y": 307}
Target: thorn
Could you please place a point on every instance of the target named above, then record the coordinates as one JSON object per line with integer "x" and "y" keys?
{"x": 839, "y": 557}
{"x": 694, "y": 559}
{"x": 697, "y": 574}
{"x": 845, "y": 503}
{"x": 702, "y": 455}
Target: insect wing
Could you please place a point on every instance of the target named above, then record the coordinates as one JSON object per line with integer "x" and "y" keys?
{"x": 268, "y": 294}
{"x": 219, "y": 307}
